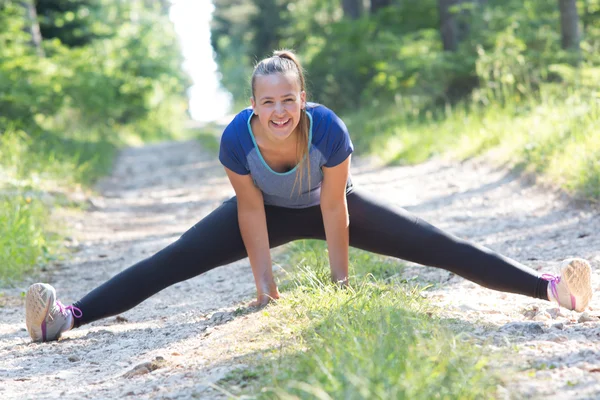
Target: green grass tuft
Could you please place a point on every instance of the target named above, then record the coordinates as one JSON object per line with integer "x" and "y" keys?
{"x": 552, "y": 134}
{"x": 23, "y": 241}
{"x": 378, "y": 339}
{"x": 43, "y": 158}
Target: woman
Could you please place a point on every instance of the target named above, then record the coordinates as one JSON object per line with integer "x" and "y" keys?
{"x": 288, "y": 161}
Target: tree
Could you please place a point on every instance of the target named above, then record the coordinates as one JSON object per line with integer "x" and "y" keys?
{"x": 448, "y": 24}
{"x": 353, "y": 9}
{"x": 376, "y": 5}
{"x": 454, "y": 20}
{"x": 569, "y": 24}
{"x": 266, "y": 25}
{"x": 70, "y": 21}
{"x": 32, "y": 27}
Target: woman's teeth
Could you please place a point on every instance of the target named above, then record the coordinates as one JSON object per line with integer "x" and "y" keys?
{"x": 280, "y": 123}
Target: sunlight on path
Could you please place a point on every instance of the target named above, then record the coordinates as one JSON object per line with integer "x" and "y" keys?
{"x": 208, "y": 100}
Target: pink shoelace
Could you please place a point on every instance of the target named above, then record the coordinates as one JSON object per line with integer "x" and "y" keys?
{"x": 74, "y": 310}
{"x": 553, "y": 280}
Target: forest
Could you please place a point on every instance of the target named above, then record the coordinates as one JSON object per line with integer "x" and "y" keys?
{"x": 78, "y": 80}
{"x": 416, "y": 79}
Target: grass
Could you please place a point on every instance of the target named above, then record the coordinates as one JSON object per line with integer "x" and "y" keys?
{"x": 36, "y": 170}
{"x": 378, "y": 339}
{"x": 47, "y": 158}
{"x": 209, "y": 138}
{"x": 23, "y": 241}
{"x": 554, "y": 134}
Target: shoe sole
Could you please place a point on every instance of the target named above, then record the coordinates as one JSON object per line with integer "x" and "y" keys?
{"x": 577, "y": 275}
{"x": 38, "y": 301}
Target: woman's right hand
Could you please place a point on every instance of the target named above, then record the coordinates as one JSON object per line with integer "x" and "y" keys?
{"x": 266, "y": 292}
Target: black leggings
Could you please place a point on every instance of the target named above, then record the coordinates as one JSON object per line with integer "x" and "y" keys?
{"x": 374, "y": 226}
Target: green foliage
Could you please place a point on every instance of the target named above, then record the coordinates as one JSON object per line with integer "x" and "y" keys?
{"x": 23, "y": 243}
{"x": 232, "y": 40}
{"x": 376, "y": 340}
{"x": 125, "y": 71}
{"x": 70, "y": 21}
{"x": 31, "y": 167}
{"x": 406, "y": 99}
{"x": 110, "y": 72}
{"x": 553, "y": 133}
{"x": 26, "y": 86}
{"x": 381, "y": 58}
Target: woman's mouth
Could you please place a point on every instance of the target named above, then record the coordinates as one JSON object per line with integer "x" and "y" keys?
{"x": 281, "y": 124}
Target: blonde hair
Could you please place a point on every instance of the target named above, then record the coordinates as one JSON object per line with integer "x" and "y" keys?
{"x": 285, "y": 62}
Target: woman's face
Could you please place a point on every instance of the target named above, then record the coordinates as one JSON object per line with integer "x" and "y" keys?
{"x": 277, "y": 102}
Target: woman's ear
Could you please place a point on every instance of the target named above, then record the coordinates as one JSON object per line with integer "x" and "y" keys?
{"x": 303, "y": 99}
{"x": 252, "y": 103}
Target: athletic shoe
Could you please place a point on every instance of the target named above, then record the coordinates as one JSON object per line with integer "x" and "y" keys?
{"x": 572, "y": 289}
{"x": 47, "y": 318}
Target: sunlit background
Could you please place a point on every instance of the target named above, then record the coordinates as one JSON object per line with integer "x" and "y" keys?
{"x": 208, "y": 100}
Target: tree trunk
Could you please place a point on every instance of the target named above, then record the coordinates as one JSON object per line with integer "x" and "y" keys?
{"x": 32, "y": 26}
{"x": 377, "y": 4}
{"x": 352, "y": 8}
{"x": 569, "y": 24}
{"x": 267, "y": 25}
{"x": 454, "y": 20}
{"x": 449, "y": 30}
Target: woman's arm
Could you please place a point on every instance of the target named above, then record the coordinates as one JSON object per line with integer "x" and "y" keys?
{"x": 253, "y": 227}
{"x": 335, "y": 218}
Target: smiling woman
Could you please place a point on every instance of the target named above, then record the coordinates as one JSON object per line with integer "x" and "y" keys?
{"x": 277, "y": 111}
{"x": 281, "y": 127}
{"x": 273, "y": 206}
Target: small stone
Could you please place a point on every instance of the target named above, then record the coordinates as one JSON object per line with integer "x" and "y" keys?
{"x": 554, "y": 312}
{"x": 559, "y": 325}
{"x": 145, "y": 368}
{"x": 542, "y": 316}
{"x": 531, "y": 312}
{"x": 559, "y": 339}
{"x": 74, "y": 358}
{"x": 221, "y": 317}
{"x": 523, "y": 327}
{"x": 585, "y": 317}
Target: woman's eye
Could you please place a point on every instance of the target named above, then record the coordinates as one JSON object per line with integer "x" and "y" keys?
{"x": 288, "y": 100}
{"x": 267, "y": 102}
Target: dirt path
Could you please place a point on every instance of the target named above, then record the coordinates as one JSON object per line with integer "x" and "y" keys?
{"x": 180, "y": 342}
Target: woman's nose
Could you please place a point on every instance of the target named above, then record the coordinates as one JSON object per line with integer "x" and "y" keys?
{"x": 279, "y": 108}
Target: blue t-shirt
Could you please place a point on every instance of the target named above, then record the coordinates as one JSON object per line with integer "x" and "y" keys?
{"x": 329, "y": 144}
